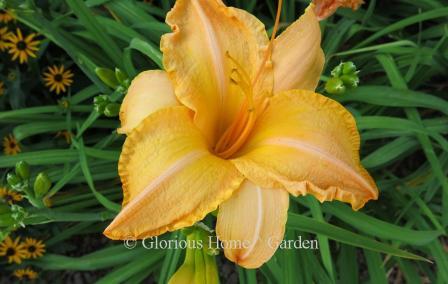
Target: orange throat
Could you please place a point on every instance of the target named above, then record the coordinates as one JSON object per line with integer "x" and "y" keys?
{"x": 239, "y": 130}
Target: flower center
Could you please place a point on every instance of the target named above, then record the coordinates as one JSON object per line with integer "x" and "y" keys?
{"x": 58, "y": 78}
{"x": 237, "y": 133}
{"x": 31, "y": 249}
{"x": 21, "y": 45}
{"x": 10, "y": 252}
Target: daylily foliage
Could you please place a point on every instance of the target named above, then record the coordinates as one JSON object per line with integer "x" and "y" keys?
{"x": 234, "y": 122}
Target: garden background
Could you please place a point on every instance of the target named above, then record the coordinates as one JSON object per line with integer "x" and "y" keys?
{"x": 59, "y": 99}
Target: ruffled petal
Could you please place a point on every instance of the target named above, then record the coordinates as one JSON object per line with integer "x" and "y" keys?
{"x": 208, "y": 43}
{"x": 326, "y": 8}
{"x": 297, "y": 57}
{"x": 254, "y": 218}
{"x": 307, "y": 144}
{"x": 148, "y": 92}
{"x": 170, "y": 180}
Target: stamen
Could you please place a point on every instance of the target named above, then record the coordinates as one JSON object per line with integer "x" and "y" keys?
{"x": 239, "y": 77}
{"x": 271, "y": 42}
{"x": 237, "y": 133}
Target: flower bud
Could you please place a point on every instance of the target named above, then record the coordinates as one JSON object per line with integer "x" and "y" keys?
{"x": 42, "y": 184}
{"x": 107, "y": 76}
{"x": 350, "y": 81}
{"x": 64, "y": 103}
{"x": 337, "y": 71}
{"x": 112, "y": 110}
{"x": 198, "y": 266}
{"x": 348, "y": 68}
{"x": 121, "y": 76}
{"x": 23, "y": 170}
{"x": 13, "y": 180}
{"x": 335, "y": 86}
{"x": 100, "y": 102}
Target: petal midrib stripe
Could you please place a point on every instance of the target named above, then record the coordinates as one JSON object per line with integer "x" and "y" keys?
{"x": 174, "y": 168}
{"x": 258, "y": 224}
{"x": 306, "y": 147}
{"x": 214, "y": 49}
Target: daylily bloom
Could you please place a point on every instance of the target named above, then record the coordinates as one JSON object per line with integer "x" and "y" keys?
{"x": 234, "y": 122}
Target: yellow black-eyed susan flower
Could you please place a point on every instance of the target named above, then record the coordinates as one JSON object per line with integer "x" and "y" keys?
{"x": 58, "y": 78}
{"x": 25, "y": 274}
{"x": 10, "y": 196}
{"x": 5, "y": 16}
{"x": 21, "y": 47}
{"x": 10, "y": 145}
{"x": 2, "y": 88}
{"x": 4, "y": 34}
{"x": 34, "y": 248}
{"x": 14, "y": 251}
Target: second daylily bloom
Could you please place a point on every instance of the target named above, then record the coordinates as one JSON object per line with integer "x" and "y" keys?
{"x": 234, "y": 122}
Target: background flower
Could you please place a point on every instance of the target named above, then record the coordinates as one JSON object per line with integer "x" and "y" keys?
{"x": 57, "y": 78}
{"x": 20, "y": 47}
{"x": 10, "y": 145}
{"x": 400, "y": 107}
{"x": 13, "y": 250}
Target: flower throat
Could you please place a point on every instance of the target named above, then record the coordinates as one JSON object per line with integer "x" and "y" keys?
{"x": 239, "y": 130}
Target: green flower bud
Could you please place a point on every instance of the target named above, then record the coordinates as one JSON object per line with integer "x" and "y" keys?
{"x": 337, "y": 71}
{"x": 42, "y": 184}
{"x": 350, "y": 81}
{"x": 64, "y": 103}
{"x": 107, "y": 76}
{"x": 335, "y": 86}
{"x": 100, "y": 102}
{"x": 13, "y": 180}
{"x": 120, "y": 89}
{"x": 23, "y": 170}
{"x": 348, "y": 68}
{"x": 198, "y": 266}
{"x": 101, "y": 99}
{"x": 112, "y": 110}
{"x": 121, "y": 76}
{"x": 18, "y": 213}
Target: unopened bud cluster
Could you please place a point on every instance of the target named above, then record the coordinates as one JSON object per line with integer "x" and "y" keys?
{"x": 20, "y": 181}
{"x": 118, "y": 81}
{"x": 343, "y": 77}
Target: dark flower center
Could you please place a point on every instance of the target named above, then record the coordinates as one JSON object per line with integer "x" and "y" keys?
{"x": 31, "y": 249}
{"x": 21, "y": 45}
{"x": 10, "y": 252}
{"x": 58, "y": 77}
{"x": 12, "y": 145}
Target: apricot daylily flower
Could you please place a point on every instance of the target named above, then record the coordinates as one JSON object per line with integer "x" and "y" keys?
{"x": 233, "y": 122}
